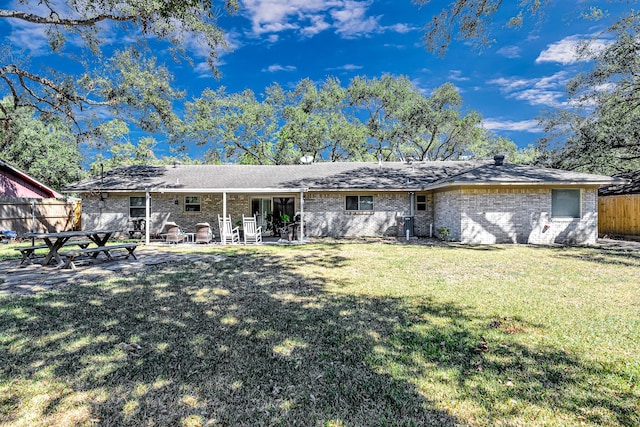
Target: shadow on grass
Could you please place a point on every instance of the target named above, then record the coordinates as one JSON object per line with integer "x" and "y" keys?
{"x": 600, "y": 255}
{"x": 249, "y": 341}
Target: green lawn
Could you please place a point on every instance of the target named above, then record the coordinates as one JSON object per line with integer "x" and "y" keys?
{"x": 346, "y": 334}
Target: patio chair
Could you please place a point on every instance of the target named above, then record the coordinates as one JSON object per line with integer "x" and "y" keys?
{"x": 252, "y": 233}
{"x": 228, "y": 233}
{"x": 203, "y": 233}
{"x": 173, "y": 233}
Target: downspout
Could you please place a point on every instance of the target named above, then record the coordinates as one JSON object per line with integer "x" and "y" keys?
{"x": 147, "y": 216}
{"x": 412, "y": 203}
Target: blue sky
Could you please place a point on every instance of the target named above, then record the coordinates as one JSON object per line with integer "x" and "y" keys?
{"x": 509, "y": 82}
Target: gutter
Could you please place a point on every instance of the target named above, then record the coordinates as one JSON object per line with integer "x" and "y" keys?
{"x": 190, "y": 190}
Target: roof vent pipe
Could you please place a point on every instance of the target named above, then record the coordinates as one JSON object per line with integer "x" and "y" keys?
{"x": 498, "y": 159}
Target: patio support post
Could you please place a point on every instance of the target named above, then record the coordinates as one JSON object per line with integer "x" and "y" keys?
{"x": 147, "y": 216}
{"x": 301, "y": 215}
{"x": 224, "y": 214}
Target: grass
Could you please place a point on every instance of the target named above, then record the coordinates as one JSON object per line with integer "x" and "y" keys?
{"x": 335, "y": 335}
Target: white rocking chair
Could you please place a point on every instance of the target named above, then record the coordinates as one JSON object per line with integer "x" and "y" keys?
{"x": 228, "y": 233}
{"x": 252, "y": 233}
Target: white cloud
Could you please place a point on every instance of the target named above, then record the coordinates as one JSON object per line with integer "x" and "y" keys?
{"x": 540, "y": 97}
{"x": 456, "y": 76}
{"x": 30, "y": 37}
{"x": 547, "y": 91}
{"x": 351, "y": 21}
{"x": 318, "y": 25}
{"x": 531, "y": 126}
{"x": 203, "y": 70}
{"x": 346, "y": 67}
{"x": 277, "y": 67}
{"x": 511, "y": 52}
{"x": 557, "y": 80}
{"x": 565, "y": 51}
{"x": 347, "y": 18}
{"x": 401, "y": 28}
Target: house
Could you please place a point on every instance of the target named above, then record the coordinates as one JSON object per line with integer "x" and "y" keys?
{"x": 28, "y": 205}
{"x": 619, "y": 207}
{"x": 470, "y": 201}
{"x": 15, "y": 183}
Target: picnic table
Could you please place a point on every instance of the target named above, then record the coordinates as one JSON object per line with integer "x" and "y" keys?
{"x": 55, "y": 241}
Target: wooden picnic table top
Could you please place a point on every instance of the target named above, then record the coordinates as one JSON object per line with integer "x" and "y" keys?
{"x": 63, "y": 234}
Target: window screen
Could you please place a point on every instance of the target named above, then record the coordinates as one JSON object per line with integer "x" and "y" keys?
{"x": 192, "y": 203}
{"x": 137, "y": 207}
{"x": 421, "y": 202}
{"x": 359, "y": 203}
{"x": 565, "y": 203}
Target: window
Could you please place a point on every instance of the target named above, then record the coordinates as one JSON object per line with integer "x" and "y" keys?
{"x": 421, "y": 202}
{"x": 137, "y": 207}
{"x": 565, "y": 203}
{"x": 359, "y": 203}
{"x": 192, "y": 203}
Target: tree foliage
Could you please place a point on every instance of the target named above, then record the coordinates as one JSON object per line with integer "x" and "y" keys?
{"x": 128, "y": 153}
{"x": 601, "y": 131}
{"x": 471, "y": 21}
{"x": 241, "y": 126}
{"x": 128, "y": 83}
{"x": 599, "y": 128}
{"x": 319, "y": 122}
{"x": 47, "y": 151}
{"x": 386, "y": 118}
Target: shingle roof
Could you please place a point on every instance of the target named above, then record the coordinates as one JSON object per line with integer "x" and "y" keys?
{"x": 632, "y": 186}
{"x": 488, "y": 173}
{"x": 326, "y": 176}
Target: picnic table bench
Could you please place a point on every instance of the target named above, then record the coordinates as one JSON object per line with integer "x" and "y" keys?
{"x": 72, "y": 255}
{"x": 28, "y": 252}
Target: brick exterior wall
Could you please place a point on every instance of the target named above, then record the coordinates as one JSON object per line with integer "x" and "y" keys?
{"x": 473, "y": 215}
{"x": 114, "y": 212}
{"x": 326, "y": 215}
{"x": 487, "y": 216}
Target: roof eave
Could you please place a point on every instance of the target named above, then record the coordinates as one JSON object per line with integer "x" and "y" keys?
{"x": 517, "y": 184}
{"x": 187, "y": 190}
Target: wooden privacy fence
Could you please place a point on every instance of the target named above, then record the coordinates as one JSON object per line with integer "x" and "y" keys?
{"x": 619, "y": 215}
{"x": 24, "y": 215}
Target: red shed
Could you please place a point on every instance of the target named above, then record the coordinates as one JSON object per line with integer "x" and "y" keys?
{"x": 15, "y": 183}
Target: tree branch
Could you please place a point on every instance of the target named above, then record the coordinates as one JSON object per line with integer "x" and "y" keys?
{"x": 54, "y": 19}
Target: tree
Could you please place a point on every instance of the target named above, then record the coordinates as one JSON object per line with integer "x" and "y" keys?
{"x": 128, "y": 84}
{"x": 471, "y": 20}
{"x": 244, "y": 127}
{"x": 319, "y": 123}
{"x": 599, "y": 130}
{"x": 403, "y": 123}
{"x": 381, "y": 101}
{"x": 383, "y": 117}
{"x": 127, "y": 153}
{"x": 46, "y": 151}
{"x": 435, "y": 128}
{"x": 602, "y": 132}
